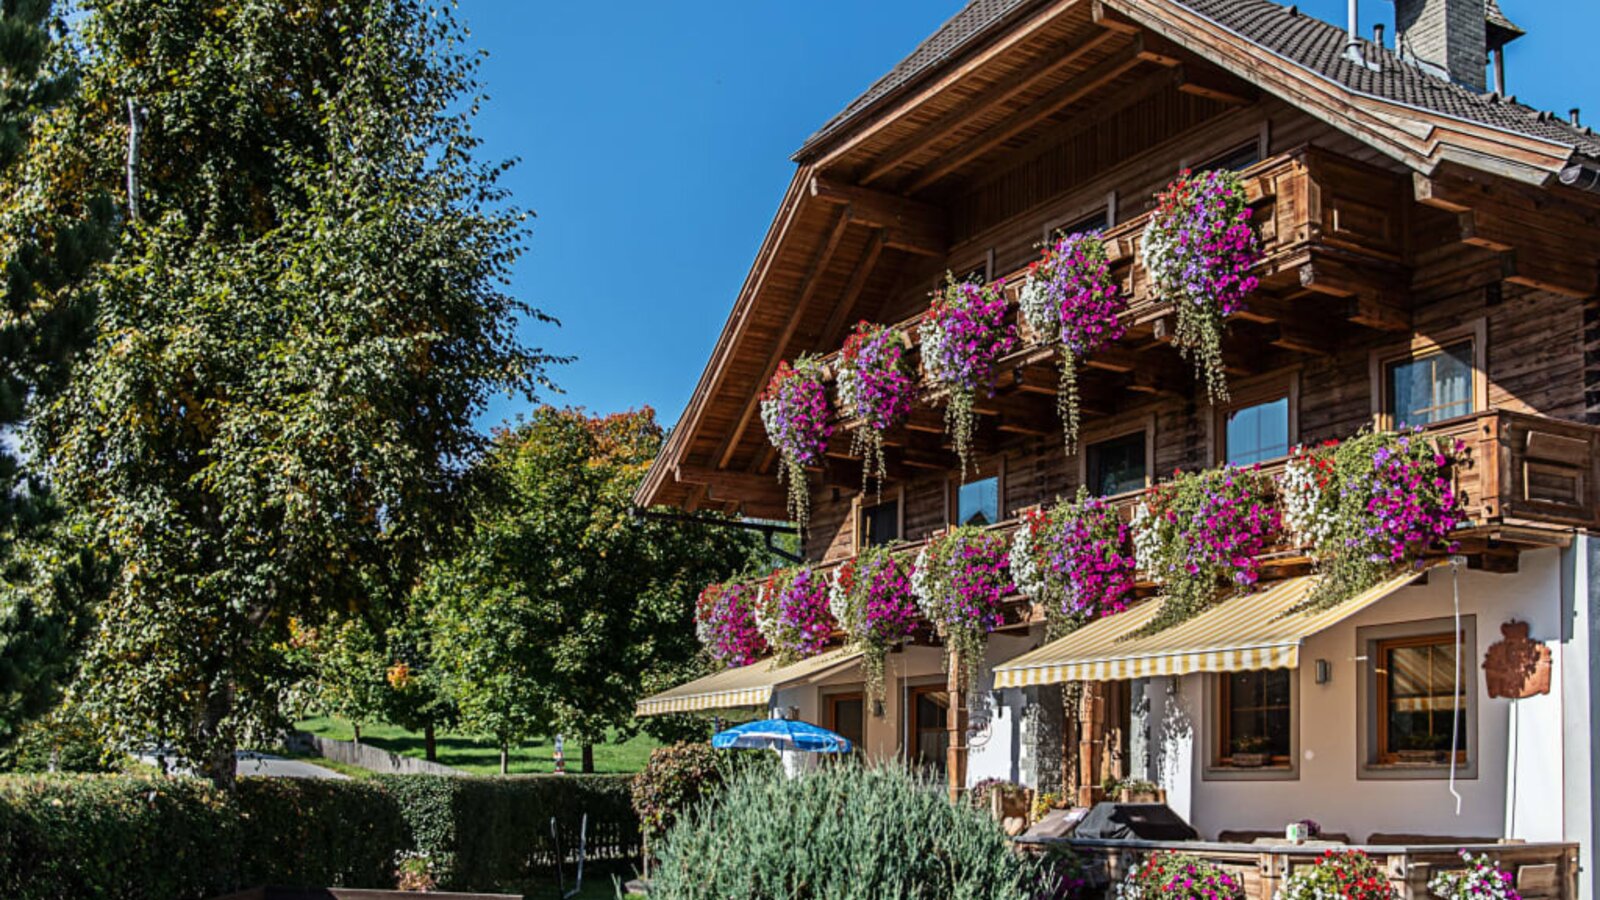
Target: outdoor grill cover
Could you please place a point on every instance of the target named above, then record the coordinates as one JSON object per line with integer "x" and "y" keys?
{"x": 1135, "y": 822}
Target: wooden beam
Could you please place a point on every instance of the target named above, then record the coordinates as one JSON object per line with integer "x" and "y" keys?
{"x": 1378, "y": 303}
{"x": 1111, "y": 19}
{"x": 1065, "y": 95}
{"x": 945, "y": 125}
{"x": 1216, "y": 86}
{"x": 723, "y": 484}
{"x": 838, "y": 320}
{"x": 808, "y": 289}
{"x": 908, "y": 225}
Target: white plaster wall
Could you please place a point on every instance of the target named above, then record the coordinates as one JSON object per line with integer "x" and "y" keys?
{"x": 1579, "y": 671}
{"x": 994, "y": 735}
{"x": 1518, "y": 787}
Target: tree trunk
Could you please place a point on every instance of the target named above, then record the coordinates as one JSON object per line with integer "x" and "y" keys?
{"x": 587, "y": 767}
{"x": 505, "y": 758}
{"x": 430, "y": 747}
{"x": 218, "y": 765}
{"x": 356, "y": 727}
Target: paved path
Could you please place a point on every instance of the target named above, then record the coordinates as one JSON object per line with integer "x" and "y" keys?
{"x": 264, "y": 765}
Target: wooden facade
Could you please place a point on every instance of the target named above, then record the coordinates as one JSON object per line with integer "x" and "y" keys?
{"x": 1387, "y": 231}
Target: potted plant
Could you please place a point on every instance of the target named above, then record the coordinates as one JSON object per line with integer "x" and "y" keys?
{"x": 1343, "y": 874}
{"x": 1137, "y": 790}
{"x": 1250, "y": 752}
{"x": 1169, "y": 875}
{"x": 1424, "y": 749}
{"x": 1480, "y": 880}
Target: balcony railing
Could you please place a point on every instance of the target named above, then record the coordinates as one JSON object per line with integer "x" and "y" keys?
{"x": 1527, "y": 480}
{"x": 1328, "y": 226}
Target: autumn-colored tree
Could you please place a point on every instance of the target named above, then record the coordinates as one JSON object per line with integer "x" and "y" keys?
{"x": 566, "y": 601}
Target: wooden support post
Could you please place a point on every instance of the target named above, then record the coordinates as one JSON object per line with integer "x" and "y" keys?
{"x": 1091, "y": 745}
{"x": 956, "y": 723}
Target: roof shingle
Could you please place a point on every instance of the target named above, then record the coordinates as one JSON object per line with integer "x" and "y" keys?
{"x": 1312, "y": 43}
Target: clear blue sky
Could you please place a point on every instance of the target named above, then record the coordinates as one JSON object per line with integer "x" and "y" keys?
{"x": 655, "y": 141}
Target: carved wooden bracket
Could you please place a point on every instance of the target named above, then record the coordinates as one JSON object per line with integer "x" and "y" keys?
{"x": 1516, "y": 667}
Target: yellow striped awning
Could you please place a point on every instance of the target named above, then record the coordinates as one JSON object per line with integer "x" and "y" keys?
{"x": 750, "y": 685}
{"x": 1239, "y": 634}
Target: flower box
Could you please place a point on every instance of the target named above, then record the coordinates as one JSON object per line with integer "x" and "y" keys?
{"x": 1247, "y": 760}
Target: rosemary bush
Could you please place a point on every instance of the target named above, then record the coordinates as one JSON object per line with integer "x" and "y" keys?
{"x": 847, "y": 831}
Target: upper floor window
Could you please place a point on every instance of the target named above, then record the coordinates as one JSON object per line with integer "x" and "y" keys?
{"x": 978, "y": 502}
{"x": 1431, "y": 386}
{"x": 880, "y": 523}
{"x": 1099, "y": 220}
{"x": 1117, "y": 465}
{"x": 1235, "y": 160}
{"x": 1257, "y": 433}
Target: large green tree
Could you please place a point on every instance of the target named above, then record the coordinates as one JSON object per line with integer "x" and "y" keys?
{"x": 49, "y": 242}
{"x": 566, "y": 602}
{"x": 304, "y": 316}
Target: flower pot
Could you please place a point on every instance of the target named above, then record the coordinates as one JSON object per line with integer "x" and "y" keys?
{"x": 1421, "y": 757}
{"x": 1247, "y": 760}
{"x": 1127, "y": 796}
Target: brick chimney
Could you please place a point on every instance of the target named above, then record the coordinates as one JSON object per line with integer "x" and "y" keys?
{"x": 1447, "y": 37}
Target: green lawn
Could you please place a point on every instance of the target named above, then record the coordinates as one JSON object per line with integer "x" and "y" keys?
{"x": 481, "y": 757}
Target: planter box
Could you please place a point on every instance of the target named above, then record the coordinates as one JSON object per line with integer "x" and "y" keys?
{"x": 1248, "y": 760}
{"x": 1156, "y": 796}
{"x": 354, "y": 894}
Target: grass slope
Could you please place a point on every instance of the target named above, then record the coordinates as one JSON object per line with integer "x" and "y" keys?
{"x": 481, "y": 757}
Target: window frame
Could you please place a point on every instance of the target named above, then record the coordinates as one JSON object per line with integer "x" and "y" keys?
{"x": 894, "y": 493}
{"x": 1262, "y": 142}
{"x": 913, "y": 692}
{"x": 1369, "y": 766}
{"x": 1217, "y": 766}
{"x": 1145, "y": 423}
{"x": 1106, "y": 208}
{"x": 985, "y": 262}
{"x": 1380, "y": 701}
{"x": 993, "y": 468}
{"x": 1421, "y": 345}
{"x": 1255, "y": 392}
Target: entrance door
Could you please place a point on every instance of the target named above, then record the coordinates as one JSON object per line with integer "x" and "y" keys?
{"x": 847, "y": 717}
{"x": 930, "y": 735}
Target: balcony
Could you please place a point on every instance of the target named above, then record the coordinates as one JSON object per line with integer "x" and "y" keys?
{"x": 1528, "y": 481}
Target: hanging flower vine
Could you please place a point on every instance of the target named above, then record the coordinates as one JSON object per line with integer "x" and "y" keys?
{"x": 871, "y": 598}
{"x": 1071, "y": 299}
{"x": 960, "y": 579}
{"x": 725, "y": 620}
{"x": 1076, "y": 561}
{"x": 1200, "y": 531}
{"x": 793, "y": 614}
{"x": 963, "y": 335}
{"x": 876, "y": 385}
{"x": 794, "y": 409}
{"x": 1371, "y": 506}
{"x": 1199, "y": 248}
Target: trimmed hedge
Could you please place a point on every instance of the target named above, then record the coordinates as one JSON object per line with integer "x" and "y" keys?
{"x": 179, "y": 839}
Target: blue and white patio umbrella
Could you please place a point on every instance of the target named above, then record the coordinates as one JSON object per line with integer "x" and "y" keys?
{"x": 781, "y": 734}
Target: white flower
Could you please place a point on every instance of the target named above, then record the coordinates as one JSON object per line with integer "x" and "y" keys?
{"x": 838, "y": 599}
{"x": 1041, "y": 314}
{"x": 1026, "y": 573}
{"x": 923, "y": 586}
{"x": 1146, "y": 540}
{"x": 1307, "y": 514}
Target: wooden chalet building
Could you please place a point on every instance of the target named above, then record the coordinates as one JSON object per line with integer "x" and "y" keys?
{"x": 1431, "y": 257}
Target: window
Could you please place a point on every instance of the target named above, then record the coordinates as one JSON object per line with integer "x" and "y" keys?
{"x": 930, "y": 737}
{"x": 1417, "y": 700}
{"x": 1096, "y": 221}
{"x": 1254, "y": 722}
{"x": 1431, "y": 386}
{"x": 1117, "y": 465}
{"x": 1257, "y": 433}
{"x": 880, "y": 523}
{"x": 1409, "y": 703}
{"x": 978, "y": 502}
{"x": 847, "y": 717}
{"x": 1236, "y": 160}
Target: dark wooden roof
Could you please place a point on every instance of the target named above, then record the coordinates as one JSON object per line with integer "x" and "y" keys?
{"x": 1309, "y": 42}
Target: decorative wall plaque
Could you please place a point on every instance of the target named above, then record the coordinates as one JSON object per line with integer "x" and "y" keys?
{"x": 1516, "y": 667}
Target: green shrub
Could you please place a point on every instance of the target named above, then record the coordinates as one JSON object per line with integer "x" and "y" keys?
{"x": 178, "y": 838}
{"x": 675, "y": 779}
{"x": 846, "y": 831}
